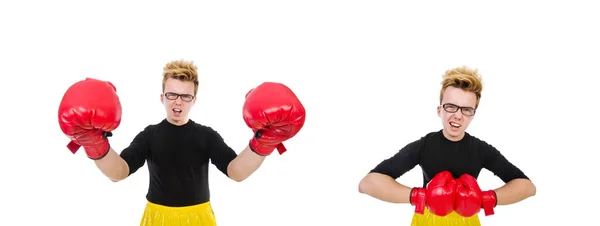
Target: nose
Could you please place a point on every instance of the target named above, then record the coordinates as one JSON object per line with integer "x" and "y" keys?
{"x": 457, "y": 116}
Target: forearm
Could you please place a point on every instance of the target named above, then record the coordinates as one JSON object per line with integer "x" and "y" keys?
{"x": 113, "y": 166}
{"x": 384, "y": 188}
{"x": 244, "y": 165}
{"x": 515, "y": 191}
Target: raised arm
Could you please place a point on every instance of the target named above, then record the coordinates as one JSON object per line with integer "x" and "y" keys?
{"x": 89, "y": 111}
{"x": 275, "y": 114}
{"x": 113, "y": 166}
{"x": 244, "y": 165}
{"x": 236, "y": 167}
{"x": 118, "y": 167}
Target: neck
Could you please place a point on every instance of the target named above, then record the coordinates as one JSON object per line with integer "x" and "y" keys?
{"x": 178, "y": 122}
{"x": 451, "y": 138}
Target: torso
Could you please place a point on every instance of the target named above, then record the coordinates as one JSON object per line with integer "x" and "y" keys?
{"x": 459, "y": 157}
{"x": 178, "y": 164}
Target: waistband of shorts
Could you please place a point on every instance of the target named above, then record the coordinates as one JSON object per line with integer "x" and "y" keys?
{"x": 192, "y": 208}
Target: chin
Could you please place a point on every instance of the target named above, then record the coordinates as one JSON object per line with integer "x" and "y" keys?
{"x": 452, "y": 133}
{"x": 177, "y": 118}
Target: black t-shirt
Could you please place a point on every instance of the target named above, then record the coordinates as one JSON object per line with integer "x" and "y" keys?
{"x": 178, "y": 160}
{"x": 435, "y": 153}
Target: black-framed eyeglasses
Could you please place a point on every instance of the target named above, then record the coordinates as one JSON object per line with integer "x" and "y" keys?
{"x": 453, "y": 108}
{"x": 184, "y": 97}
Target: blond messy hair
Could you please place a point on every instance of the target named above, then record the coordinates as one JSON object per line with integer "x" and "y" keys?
{"x": 463, "y": 78}
{"x": 182, "y": 70}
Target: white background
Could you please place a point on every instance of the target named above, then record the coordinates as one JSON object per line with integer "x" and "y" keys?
{"x": 368, "y": 73}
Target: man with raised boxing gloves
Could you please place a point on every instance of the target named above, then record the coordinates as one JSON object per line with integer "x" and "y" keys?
{"x": 450, "y": 159}
{"x": 177, "y": 149}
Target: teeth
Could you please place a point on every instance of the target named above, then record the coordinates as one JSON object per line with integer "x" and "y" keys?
{"x": 176, "y": 109}
{"x": 455, "y": 124}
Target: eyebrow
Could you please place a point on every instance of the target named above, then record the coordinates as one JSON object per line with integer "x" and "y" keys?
{"x": 460, "y": 105}
{"x": 179, "y": 93}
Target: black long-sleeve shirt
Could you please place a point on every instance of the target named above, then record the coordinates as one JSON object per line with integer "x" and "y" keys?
{"x": 435, "y": 153}
{"x": 178, "y": 159}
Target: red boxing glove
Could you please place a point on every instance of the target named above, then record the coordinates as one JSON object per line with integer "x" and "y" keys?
{"x": 441, "y": 192}
{"x": 275, "y": 114}
{"x": 89, "y": 111}
{"x": 418, "y": 199}
{"x": 489, "y": 201}
{"x": 470, "y": 199}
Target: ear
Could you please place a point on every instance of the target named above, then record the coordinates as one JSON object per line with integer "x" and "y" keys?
{"x": 162, "y": 98}
{"x": 439, "y": 111}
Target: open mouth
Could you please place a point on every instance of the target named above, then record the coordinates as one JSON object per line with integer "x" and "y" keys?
{"x": 176, "y": 111}
{"x": 455, "y": 125}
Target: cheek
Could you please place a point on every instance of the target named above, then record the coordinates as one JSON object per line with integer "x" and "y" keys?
{"x": 445, "y": 116}
{"x": 468, "y": 120}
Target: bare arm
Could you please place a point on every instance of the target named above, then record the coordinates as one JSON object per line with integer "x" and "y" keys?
{"x": 385, "y": 188}
{"x": 244, "y": 165}
{"x": 113, "y": 166}
{"x": 380, "y": 183}
{"x": 515, "y": 191}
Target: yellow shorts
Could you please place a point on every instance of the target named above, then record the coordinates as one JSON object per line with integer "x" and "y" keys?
{"x": 452, "y": 219}
{"x": 196, "y": 215}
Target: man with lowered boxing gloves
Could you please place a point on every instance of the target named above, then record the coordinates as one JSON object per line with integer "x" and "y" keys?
{"x": 177, "y": 149}
{"x": 451, "y": 160}
{"x": 444, "y": 194}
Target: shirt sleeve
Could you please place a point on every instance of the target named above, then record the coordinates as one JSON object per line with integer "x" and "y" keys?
{"x": 220, "y": 153}
{"x": 496, "y": 163}
{"x": 136, "y": 153}
{"x": 403, "y": 161}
